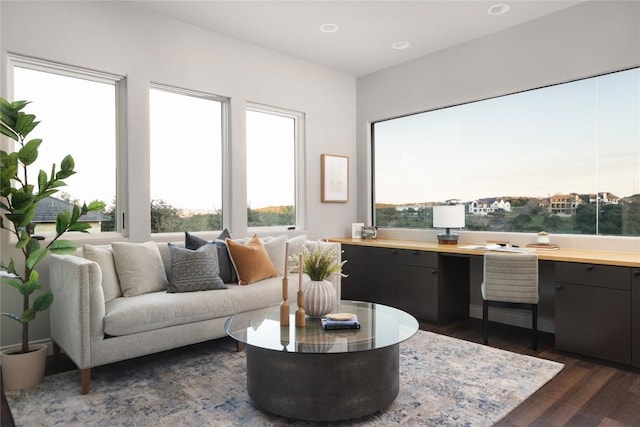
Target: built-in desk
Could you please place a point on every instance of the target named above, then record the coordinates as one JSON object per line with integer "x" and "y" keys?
{"x": 589, "y": 299}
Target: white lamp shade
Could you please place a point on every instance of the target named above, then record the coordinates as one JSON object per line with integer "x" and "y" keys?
{"x": 450, "y": 216}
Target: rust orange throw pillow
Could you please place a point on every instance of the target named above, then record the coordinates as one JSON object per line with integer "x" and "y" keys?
{"x": 251, "y": 261}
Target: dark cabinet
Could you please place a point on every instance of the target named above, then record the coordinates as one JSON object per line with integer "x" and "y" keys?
{"x": 418, "y": 284}
{"x": 409, "y": 280}
{"x": 371, "y": 274}
{"x": 348, "y": 284}
{"x": 376, "y": 273}
{"x": 593, "y": 310}
{"x": 635, "y": 316}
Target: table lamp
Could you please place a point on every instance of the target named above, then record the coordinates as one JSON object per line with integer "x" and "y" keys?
{"x": 449, "y": 216}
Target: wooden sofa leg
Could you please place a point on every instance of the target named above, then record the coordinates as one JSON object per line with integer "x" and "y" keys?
{"x": 86, "y": 380}
{"x": 239, "y": 346}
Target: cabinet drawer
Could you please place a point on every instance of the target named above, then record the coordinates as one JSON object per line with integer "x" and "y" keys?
{"x": 418, "y": 258}
{"x": 605, "y": 276}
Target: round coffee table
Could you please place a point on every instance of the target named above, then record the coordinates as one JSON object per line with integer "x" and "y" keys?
{"x": 323, "y": 375}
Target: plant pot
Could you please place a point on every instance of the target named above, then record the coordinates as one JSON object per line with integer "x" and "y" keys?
{"x": 320, "y": 298}
{"x": 23, "y": 370}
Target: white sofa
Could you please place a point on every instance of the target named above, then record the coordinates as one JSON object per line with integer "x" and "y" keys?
{"x": 94, "y": 332}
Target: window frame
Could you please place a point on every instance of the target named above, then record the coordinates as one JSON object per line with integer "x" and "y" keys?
{"x": 372, "y": 152}
{"x": 225, "y": 155}
{"x": 120, "y": 90}
{"x": 299, "y": 156}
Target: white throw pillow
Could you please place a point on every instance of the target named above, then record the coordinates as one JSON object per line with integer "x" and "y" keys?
{"x": 103, "y": 256}
{"x": 275, "y": 247}
{"x": 296, "y": 244}
{"x": 140, "y": 268}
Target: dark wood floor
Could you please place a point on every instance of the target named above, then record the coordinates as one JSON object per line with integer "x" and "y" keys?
{"x": 586, "y": 393}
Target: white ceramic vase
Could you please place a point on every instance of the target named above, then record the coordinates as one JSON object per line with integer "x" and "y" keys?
{"x": 320, "y": 298}
{"x": 23, "y": 370}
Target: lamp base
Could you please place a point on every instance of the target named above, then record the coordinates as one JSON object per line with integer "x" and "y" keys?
{"x": 448, "y": 239}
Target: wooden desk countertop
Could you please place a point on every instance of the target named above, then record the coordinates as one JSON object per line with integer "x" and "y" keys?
{"x": 624, "y": 259}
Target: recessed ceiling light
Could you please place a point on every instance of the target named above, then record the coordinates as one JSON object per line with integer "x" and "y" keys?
{"x": 400, "y": 45}
{"x": 329, "y": 28}
{"x": 498, "y": 9}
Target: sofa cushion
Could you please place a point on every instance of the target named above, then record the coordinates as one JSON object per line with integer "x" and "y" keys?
{"x": 157, "y": 310}
{"x": 103, "y": 256}
{"x": 140, "y": 268}
{"x": 194, "y": 270}
{"x": 227, "y": 272}
{"x": 251, "y": 261}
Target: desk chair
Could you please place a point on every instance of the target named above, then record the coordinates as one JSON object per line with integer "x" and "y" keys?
{"x": 510, "y": 280}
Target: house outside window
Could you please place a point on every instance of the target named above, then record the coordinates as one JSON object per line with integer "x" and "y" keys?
{"x": 80, "y": 114}
{"x": 563, "y": 159}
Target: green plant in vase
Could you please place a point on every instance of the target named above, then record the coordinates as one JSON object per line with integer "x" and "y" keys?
{"x": 20, "y": 191}
{"x": 319, "y": 264}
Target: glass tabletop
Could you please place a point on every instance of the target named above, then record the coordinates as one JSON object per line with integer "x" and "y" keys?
{"x": 380, "y": 326}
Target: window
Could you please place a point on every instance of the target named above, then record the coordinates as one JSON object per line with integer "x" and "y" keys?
{"x": 79, "y": 114}
{"x": 564, "y": 159}
{"x": 274, "y": 167}
{"x": 187, "y": 141}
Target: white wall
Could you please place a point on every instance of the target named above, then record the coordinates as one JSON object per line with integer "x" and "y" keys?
{"x": 585, "y": 40}
{"x": 121, "y": 39}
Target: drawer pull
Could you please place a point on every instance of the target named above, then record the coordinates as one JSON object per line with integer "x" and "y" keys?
{"x": 394, "y": 252}
{"x": 559, "y": 286}
{"x": 589, "y": 267}
{"x": 636, "y": 273}
{"x": 416, "y": 252}
{"x": 434, "y": 271}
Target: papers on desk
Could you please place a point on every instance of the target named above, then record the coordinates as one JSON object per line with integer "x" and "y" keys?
{"x": 497, "y": 248}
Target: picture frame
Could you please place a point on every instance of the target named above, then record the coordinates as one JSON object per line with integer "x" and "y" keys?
{"x": 335, "y": 178}
{"x": 356, "y": 230}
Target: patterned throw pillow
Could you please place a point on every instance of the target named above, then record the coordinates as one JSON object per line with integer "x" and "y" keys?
{"x": 194, "y": 270}
{"x": 227, "y": 272}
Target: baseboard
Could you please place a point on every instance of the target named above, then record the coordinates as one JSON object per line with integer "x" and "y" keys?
{"x": 521, "y": 318}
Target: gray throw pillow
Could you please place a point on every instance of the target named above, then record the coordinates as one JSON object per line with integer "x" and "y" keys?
{"x": 194, "y": 270}
{"x": 227, "y": 272}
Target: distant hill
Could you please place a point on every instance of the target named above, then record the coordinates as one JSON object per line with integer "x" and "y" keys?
{"x": 272, "y": 209}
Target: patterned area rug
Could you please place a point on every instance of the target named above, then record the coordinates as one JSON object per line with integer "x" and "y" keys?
{"x": 443, "y": 382}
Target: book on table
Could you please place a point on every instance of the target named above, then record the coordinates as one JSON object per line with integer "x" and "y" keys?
{"x": 340, "y": 321}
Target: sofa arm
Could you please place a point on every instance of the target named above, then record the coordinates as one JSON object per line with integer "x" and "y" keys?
{"x": 77, "y": 313}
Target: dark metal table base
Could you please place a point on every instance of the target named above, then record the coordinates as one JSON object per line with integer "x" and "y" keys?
{"x": 323, "y": 386}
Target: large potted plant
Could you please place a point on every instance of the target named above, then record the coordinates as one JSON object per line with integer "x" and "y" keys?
{"x": 20, "y": 192}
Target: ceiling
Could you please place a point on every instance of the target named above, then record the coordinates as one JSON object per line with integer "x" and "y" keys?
{"x": 367, "y": 29}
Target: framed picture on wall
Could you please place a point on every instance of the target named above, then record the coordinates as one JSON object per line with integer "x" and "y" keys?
{"x": 335, "y": 178}
{"x": 356, "y": 230}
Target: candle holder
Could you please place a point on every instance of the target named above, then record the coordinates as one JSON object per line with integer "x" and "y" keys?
{"x": 284, "y": 337}
{"x": 284, "y": 305}
{"x": 300, "y": 314}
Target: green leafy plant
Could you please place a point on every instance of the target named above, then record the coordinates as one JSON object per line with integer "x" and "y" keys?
{"x": 320, "y": 263}
{"x": 19, "y": 199}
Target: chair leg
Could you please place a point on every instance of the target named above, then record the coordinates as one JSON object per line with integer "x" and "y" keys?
{"x": 485, "y": 322}
{"x": 534, "y": 326}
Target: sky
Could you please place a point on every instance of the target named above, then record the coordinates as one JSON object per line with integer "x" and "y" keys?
{"x": 578, "y": 137}
{"x": 185, "y": 143}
